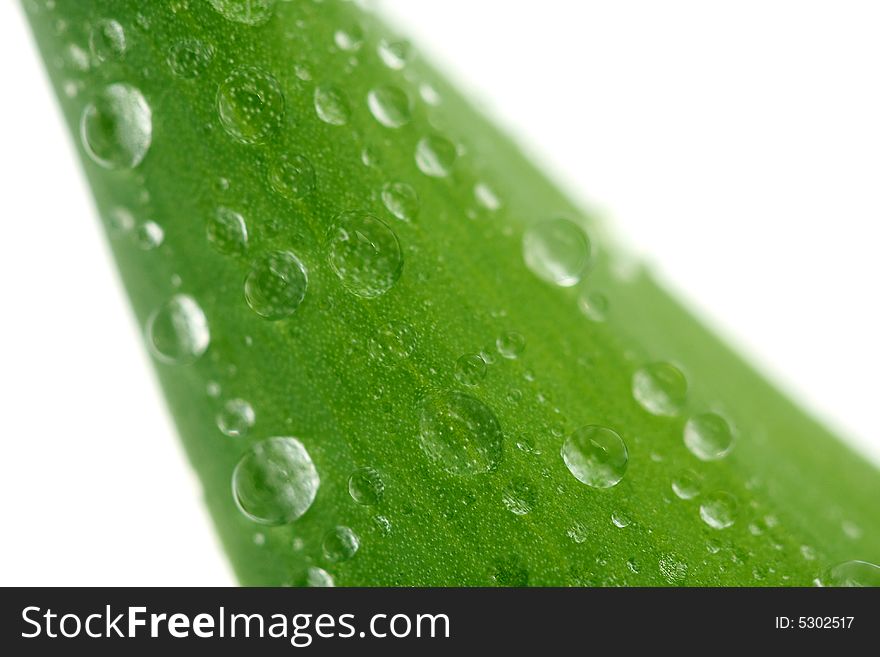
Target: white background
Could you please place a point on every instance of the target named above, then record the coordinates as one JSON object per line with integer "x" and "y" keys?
{"x": 735, "y": 144}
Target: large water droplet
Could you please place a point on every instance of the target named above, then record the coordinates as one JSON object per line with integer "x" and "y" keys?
{"x": 227, "y": 231}
{"x": 341, "y": 544}
{"x": 401, "y": 200}
{"x": 708, "y": 436}
{"x": 510, "y": 344}
{"x": 596, "y": 456}
{"x": 249, "y": 12}
{"x": 364, "y": 253}
{"x": 107, "y": 40}
{"x": 460, "y": 433}
{"x": 292, "y": 176}
{"x": 659, "y": 388}
{"x": 557, "y": 251}
{"x": 236, "y": 418}
{"x": 177, "y": 331}
{"x": 390, "y": 106}
{"x": 435, "y": 156}
{"x": 366, "y": 487}
{"x": 331, "y": 105}
{"x": 718, "y": 510}
{"x": 853, "y": 574}
{"x": 470, "y": 369}
{"x": 250, "y": 105}
{"x": 189, "y": 58}
{"x": 393, "y": 341}
{"x": 275, "y": 482}
{"x": 276, "y": 285}
{"x": 117, "y": 127}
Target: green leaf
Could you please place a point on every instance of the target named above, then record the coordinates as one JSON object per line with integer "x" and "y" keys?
{"x": 395, "y": 352}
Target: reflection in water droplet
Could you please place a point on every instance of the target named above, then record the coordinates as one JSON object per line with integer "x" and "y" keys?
{"x": 117, "y": 127}
{"x": 177, "y": 331}
{"x": 275, "y": 482}
{"x": 708, "y": 436}
{"x": 510, "y": 344}
{"x": 460, "y": 433}
{"x": 718, "y": 510}
{"x": 340, "y": 544}
{"x": 189, "y": 58}
{"x": 236, "y": 418}
{"x": 364, "y": 253}
{"x": 401, "y": 200}
{"x": 596, "y": 456}
{"x": 292, "y": 176}
{"x": 390, "y": 106}
{"x": 250, "y": 105}
{"x": 249, "y": 12}
{"x": 557, "y": 251}
{"x": 227, "y": 231}
{"x": 276, "y": 285}
{"x": 470, "y": 369}
{"x": 620, "y": 519}
{"x": 331, "y": 105}
{"x": 854, "y": 574}
{"x": 393, "y": 341}
{"x": 366, "y": 487}
{"x": 435, "y": 156}
{"x": 107, "y": 40}
{"x": 659, "y": 388}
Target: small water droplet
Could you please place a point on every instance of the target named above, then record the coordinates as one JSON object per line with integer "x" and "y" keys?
{"x": 510, "y": 344}
{"x": 596, "y": 456}
{"x": 808, "y": 552}
{"x": 319, "y": 578}
{"x": 673, "y": 568}
{"x": 275, "y": 482}
{"x": 718, "y": 510}
{"x": 557, "y": 251}
{"x": 708, "y": 436}
{"x": 460, "y": 433}
{"x": 189, "y": 58}
{"x": 236, "y": 418}
{"x": 686, "y": 485}
{"x": 435, "y": 156}
{"x": 851, "y": 530}
{"x": 117, "y": 127}
{"x": 366, "y": 487}
{"x": 177, "y": 331}
{"x": 340, "y": 544}
{"x": 382, "y": 525}
{"x": 107, "y": 40}
{"x": 526, "y": 445}
{"x": 518, "y": 497}
{"x": 394, "y": 54}
{"x": 620, "y": 519}
{"x": 276, "y": 285}
{"x": 594, "y": 305}
{"x": 227, "y": 231}
{"x": 250, "y": 105}
{"x": 393, "y": 341}
{"x": 364, "y": 253}
{"x": 660, "y": 388}
{"x": 331, "y": 105}
{"x": 853, "y": 574}
{"x": 292, "y": 176}
{"x": 149, "y": 235}
{"x": 213, "y": 389}
{"x": 486, "y": 197}
{"x": 401, "y": 200}
{"x": 350, "y": 38}
{"x": 390, "y": 106}
{"x": 470, "y": 369}
{"x": 577, "y": 532}
{"x": 303, "y": 71}
{"x": 248, "y": 12}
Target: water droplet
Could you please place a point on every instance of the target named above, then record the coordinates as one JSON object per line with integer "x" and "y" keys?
{"x": 401, "y": 200}
{"x": 594, "y": 305}
{"x": 227, "y": 231}
{"x": 76, "y": 58}
{"x": 383, "y": 525}
{"x": 390, "y": 106}
{"x": 486, "y": 197}
{"x": 394, "y": 54}
{"x": 190, "y": 58}
{"x": 303, "y": 71}
{"x": 250, "y": 105}
{"x": 213, "y": 389}
{"x": 249, "y": 12}
{"x": 120, "y": 220}
{"x": 620, "y": 519}
{"x": 350, "y": 38}
{"x": 331, "y": 105}
{"x": 236, "y": 418}
{"x": 177, "y": 331}
{"x": 518, "y": 497}
{"x": 596, "y": 456}
{"x": 660, "y": 388}
{"x": 673, "y": 568}
{"x": 686, "y": 485}
{"x": 107, "y": 40}
{"x": 460, "y": 433}
{"x": 366, "y": 487}
{"x": 275, "y": 482}
{"x": 149, "y": 235}
{"x": 808, "y": 552}
{"x": 340, "y": 544}
{"x": 117, "y": 127}
{"x": 851, "y": 530}
{"x": 393, "y": 341}
{"x": 718, "y": 510}
{"x": 259, "y": 539}
{"x": 435, "y": 156}
{"x": 557, "y": 251}
{"x": 470, "y": 369}
{"x": 319, "y": 578}
{"x": 854, "y": 574}
{"x": 511, "y": 344}
{"x": 708, "y": 436}
{"x": 577, "y": 532}
{"x": 429, "y": 94}
{"x": 292, "y": 176}
{"x": 276, "y": 285}
{"x": 364, "y": 253}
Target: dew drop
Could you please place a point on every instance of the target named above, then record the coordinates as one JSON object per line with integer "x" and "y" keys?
{"x": 107, "y": 40}
{"x": 510, "y": 344}
{"x": 660, "y": 388}
{"x": 470, "y": 369}
{"x": 331, "y": 105}
{"x": 275, "y": 482}
{"x": 366, "y": 487}
{"x": 248, "y": 12}
{"x": 460, "y": 433}
{"x": 620, "y": 519}
{"x": 854, "y": 574}
{"x": 292, "y": 176}
{"x": 276, "y": 285}
{"x": 177, "y": 331}
{"x": 578, "y": 532}
{"x": 808, "y": 552}
{"x": 708, "y": 436}
{"x": 149, "y": 235}
{"x": 486, "y": 197}
{"x": 435, "y": 156}
{"x": 319, "y": 578}
{"x": 594, "y": 305}
{"x": 382, "y": 525}
{"x": 394, "y": 54}
{"x": 250, "y": 105}
{"x": 364, "y": 253}
{"x": 718, "y": 510}
{"x": 340, "y": 544}
{"x": 236, "y": 418}
{"x": 557, "y": 251}
{"x": 518, "y": 497}
{"x": 596, "y": 456}
{"x": 673, "y": 568}
{"x": 190, "y": 58}
{"x": 350, "y": 38}
{"x": 393, "y": 341}
{"x": 686, "y": 485}
{"x": 390, "y": 106}
{"x": 401, "y": 200}
{"x": 429, "y": 94}
{"x": 117, "y": 127}
{"x": 227, "y": 231}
